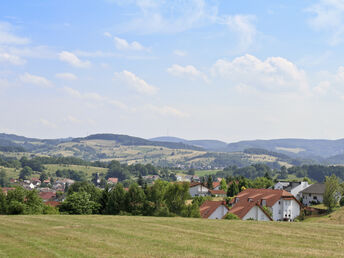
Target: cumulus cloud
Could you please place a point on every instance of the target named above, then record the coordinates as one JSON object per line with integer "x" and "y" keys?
{"x": 135, "y": 82}
{"x": 28, "y": 78}
{"x": 273, "y": 74}
{"x": 73, "y": 60}
{"x": 188, "y": 71}
{"x": 166, "y": 111}
{"x": 12, "y": 59}
{"x": 122, "y": 44}
{"x": 328, "y": 16}
{"x": 243, "y": 26}
{"x": 92, "y": 96}
{"x": 8, "y": 37}
{"x": 180, "y": 53}
{"x": 66, "y": 76}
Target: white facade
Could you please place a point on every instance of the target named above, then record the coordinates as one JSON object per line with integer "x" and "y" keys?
{"x": 198, "y": 190}
{"x": 308, "y": 198}
{"x": 219, "y": 212}
{"x": 296, "y": 190}
{"x": 288, "y": 209}
{"x": 257, "y": 214}
{"x": 293, "y": 187}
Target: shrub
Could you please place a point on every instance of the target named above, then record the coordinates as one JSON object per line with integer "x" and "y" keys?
{"x": 231, "y": 216}
{"x": 341, "y": 202}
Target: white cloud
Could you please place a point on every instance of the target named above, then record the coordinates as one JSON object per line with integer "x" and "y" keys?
{"x": 322, "y": 88}
{"x": 329, "y": 17}
{"x": 28, "y": 78}
{"x": 340, "y": 74}
{"x": 188, "y": 71}
{"x": 48, "y": 123}
{"x": 273, "y": 74}
{"x": 122, "y": 44}
{"x": 66, "y": 76}
{"x": 180, "y": 53}
{"x": 166, "y": 111}
{"x": 12, "y": 59}
{"x": 244, "y": 27}
{"x": 135, "y": 82}
{"x": 7, "y": 37}
{"x": 92, "y": 96}
{"x": 73, "y": 60}
{"x": 107, "y": 34}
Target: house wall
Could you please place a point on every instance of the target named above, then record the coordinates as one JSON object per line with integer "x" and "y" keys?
{"x": 296, "y": 190}
{"x": 217, "y": 187}
{"x": 198, "y": 190}
{"x": 283, "y": 208}
{"x": 308, "y": 198}
{"x": 219, "y": 212}
{"x": 257, "y": 214}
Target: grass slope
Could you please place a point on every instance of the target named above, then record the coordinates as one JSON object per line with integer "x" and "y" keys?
{"x": 336, "y": 217}
{"x": 105, "y": 236}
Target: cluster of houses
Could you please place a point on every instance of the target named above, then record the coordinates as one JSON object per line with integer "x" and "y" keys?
{"x": 283, "y": 202}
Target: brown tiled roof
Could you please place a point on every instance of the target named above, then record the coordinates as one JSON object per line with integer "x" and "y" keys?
{"x": 214, "y": 192}
{"x": 46, "y": 196}
{"x": 6, "y": 189}
{"x": 216, "y": 184}
{"x": 192, "y": 184}
{"x": 208, "y": 207}
{"x": 113, "y": 180}
{"x": 252, "y": 197}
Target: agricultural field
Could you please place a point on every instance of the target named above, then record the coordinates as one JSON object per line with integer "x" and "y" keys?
{"x": 105, "y": 236}
{"x": 88, "y": 170}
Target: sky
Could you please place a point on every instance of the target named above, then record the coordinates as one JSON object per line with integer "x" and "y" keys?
{"x": 196, "y": 69}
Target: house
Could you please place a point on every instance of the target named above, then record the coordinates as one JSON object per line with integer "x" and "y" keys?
{"x": 47, "y": 196}
{"x": 112, "y": 180}
{"x": 216, "y": 185}
{"x": 313, "y": 194}
{"x": 36, "y": 181}
{"x": 5, "y": 190}
{"x": 198, "y": 189}
{"x": 217, "y": 193}
{"x": 213, "y": 209}
{"x": 250, "y": 203}
{"x": 293, "y": 187}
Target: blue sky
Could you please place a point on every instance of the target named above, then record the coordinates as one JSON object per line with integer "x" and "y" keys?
{"x": 228, "y": 70}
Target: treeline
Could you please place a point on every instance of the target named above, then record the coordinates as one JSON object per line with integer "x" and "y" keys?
{"x": 22, "y": 201}
{"x": 314, "y": 172}
{"x": 161, "y": 199}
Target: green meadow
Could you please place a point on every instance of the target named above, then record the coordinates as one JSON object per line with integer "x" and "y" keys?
{"x": 106, "y": 236}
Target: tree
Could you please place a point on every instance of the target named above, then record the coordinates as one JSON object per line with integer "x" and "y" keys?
{"x": 135, "y": 199}
{"x": 4, "y": 182}
{"x": 223, "y": 185}
{"x": 116, "y": 202}
{"x": 175, "y": 196}
{"x": 3, "y": 203}
{"x": 92, "y": 190}
{"x": 332, "y": 190}
{"x": 140, "y": 180}
{"x": 191, "y": 172}
{"x": 210, "y": 182}
{"x": 25, "y": 173}
{"x": 43, "y": 176}
{"x": 79, "y": 203}
{"x": 283, "y": 173}
{"x": 233, "y": 189}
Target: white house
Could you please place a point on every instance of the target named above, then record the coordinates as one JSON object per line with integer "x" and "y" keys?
{"x": 249, "y": 204}
{"x": 213, "y": 209}
{"x": 197, "y": 189}
{"x": 293, "y": 187}
{"x": 313, "y": 194}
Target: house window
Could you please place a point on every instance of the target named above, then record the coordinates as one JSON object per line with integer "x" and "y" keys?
{"x": 309, "y": 195}
{"x": 279, "y": 202}
{"x": 264, "y": 202}
{"x": 315, "y": 198}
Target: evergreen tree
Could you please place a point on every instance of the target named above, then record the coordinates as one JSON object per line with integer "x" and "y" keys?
{"x": 210, "y": 182}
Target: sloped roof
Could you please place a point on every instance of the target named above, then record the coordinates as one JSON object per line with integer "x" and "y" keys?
{"x": 208, "y": 207}
{"x": 249, "y": 198}
{"x": 314, "y": 189}
{"x": 47, "y": 195}
{"x": 216, "y": 184}
{"x": 214, "y": 192}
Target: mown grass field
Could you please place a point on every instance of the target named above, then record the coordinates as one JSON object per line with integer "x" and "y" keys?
{"x": 107, "y": 236}
{"x": 52, "y": 168}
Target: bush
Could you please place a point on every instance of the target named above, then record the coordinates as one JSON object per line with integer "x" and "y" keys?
{"x": 231, "y": 216}
{"x": 341, "y": 202}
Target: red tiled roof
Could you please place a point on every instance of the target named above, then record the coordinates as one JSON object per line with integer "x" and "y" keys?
{"x": 6, "y": 189}
{"x": 52, "y": 203}
{"x": 47, "y": 195}
{"x": 215, "y": 192}
{"x": 208, "y": 207}
{"x": 216, "y": 184}
{"x": 192, "y": 184}
{"x": 113, "y": 180}
{"x": 249, "y": 198}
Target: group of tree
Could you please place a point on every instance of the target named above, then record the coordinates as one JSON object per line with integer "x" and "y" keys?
{"x": 22, "y": 201}
{"x": 160, "y": 199}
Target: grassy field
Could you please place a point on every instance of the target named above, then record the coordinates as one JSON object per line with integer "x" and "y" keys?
{"x": 205, "y": 172}
{"x": 105, "y": 236}
{"x": 51, "y": 168}
{"x": 336, "y": 217}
